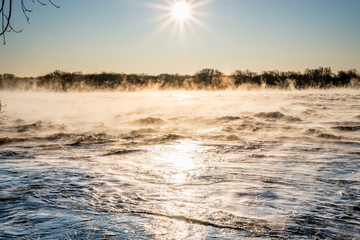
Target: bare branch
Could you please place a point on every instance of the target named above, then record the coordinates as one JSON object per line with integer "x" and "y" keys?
{"x": 2, "y": 5}
{"x": 15, "y": 31}
{"x": 25, "y": 10}
{"x": 6, "y": 15}
{"x": 44, "y": 4}
{"x": 3, "y": 27}
{"x": 54, "y": 4}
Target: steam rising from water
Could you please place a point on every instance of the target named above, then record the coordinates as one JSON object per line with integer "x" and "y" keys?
{"x": 230, "y": 164}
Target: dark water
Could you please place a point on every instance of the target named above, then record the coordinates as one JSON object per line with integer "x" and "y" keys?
{"x": 180, "y": 165}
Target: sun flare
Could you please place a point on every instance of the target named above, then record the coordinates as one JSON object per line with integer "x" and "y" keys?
{"x": 181, "y": 16}
{"x": 181, "y": 10}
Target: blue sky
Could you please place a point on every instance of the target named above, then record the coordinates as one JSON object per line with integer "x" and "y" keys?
{"x": 125, "y": 36}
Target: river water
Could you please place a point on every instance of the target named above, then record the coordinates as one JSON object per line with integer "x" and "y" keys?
{"x": 180, "y": 165}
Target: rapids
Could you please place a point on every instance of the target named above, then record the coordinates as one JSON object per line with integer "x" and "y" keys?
{"x": 180, "y": 165}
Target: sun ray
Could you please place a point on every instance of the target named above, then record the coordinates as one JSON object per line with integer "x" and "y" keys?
{"x": 200, "y": 24}
{"x": 197, "y": 4}
{"x": 192, "y": 30}
{"x": 180, "y": 16}
{"x": 163, "y": 26}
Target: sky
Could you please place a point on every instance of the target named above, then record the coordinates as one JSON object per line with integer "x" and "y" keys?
{"x": 131, "y": 36}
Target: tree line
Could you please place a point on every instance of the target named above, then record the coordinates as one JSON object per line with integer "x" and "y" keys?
{"x": 205, "y": 79}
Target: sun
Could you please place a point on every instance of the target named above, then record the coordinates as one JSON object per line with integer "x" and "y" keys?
{"x": 180, "y": 16}
{"x": 181, "y": 11}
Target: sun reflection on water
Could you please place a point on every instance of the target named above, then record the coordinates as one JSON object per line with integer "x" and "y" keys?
{"x": 179, "y": 165}
{"x": 174, "y": 229}
{"x": 179, "y": 159}
{"x": 181, "y": 156}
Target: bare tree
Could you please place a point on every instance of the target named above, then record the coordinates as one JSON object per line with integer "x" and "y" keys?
{"x": 6, "y": 11}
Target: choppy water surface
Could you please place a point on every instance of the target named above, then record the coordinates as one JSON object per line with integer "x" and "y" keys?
{"x": 179, "y": 165}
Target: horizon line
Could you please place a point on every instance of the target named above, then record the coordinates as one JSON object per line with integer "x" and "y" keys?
{"x": 181, "y": 74}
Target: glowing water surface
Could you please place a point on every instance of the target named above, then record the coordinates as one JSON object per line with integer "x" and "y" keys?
{"x": 180, "y": 165}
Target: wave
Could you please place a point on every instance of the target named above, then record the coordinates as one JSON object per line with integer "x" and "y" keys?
{"x": 218, "y": 219}
{"x": 277, "y": 115}
{"x": 38, "y": 126}
{"x": 91, "y": 139}
{"x": 142, "y": 131}
{"x": 10, "y": 154}
{"x": 149, "y": 121}
{"x": 59, "y": 136}
{"x": 73, "y": 139}
{"x": 121, "y": 152}
{"x": 329, "y": 136}
{"x": 31, "y": 127}
{"x": 144, "y": 136}
{"x": 292, "y": 119}
{"x": 139, "y": 133}
{"x": 166, "y": 138}
{"x": 347, "y": 128}
{"x": 221, "y": 137}
{"x": 246, "y": 119}
{"x": 228, "y": 118}
{"x": 9, "y": 140}
{"x": 324, "y": 135}
{"x": 234, "y": 148}
{"x": 313, "y": 131}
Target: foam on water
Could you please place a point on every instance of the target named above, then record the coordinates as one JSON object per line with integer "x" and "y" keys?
{"x": 176, "y": 165}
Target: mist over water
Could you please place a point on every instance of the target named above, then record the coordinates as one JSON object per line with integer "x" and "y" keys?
{"x": 179, "y": 165}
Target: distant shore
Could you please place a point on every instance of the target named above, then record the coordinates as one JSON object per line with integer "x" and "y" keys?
{"x": 205, "y": 79}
